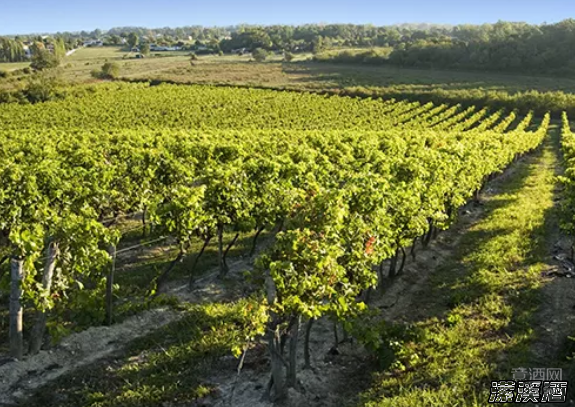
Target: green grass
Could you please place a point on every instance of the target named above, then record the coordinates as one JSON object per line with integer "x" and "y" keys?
{"x": 300, "y": 74}
{"x": 11, "y": 66}
{"x": 166, "y": 366}
{"x": 476, "y": 317}
{"x": 309, "y": 75}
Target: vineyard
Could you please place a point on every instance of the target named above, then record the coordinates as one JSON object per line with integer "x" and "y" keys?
{"x": 345, "y": 190}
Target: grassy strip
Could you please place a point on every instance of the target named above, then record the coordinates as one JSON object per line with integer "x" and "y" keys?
{"x": 167, "y": 366}
{"x": 475, "y": 319}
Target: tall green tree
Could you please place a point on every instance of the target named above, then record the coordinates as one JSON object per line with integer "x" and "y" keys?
{"x": 259, "y": 54}
{"x": 11, "y": 50}
{"x": 42, "y": 58}
{"x": 145, "y": 48}
{"x": 133, "y": 40}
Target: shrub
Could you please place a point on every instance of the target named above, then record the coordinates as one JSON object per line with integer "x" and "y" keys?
{"x": 95, "y": 73}
{"x": 17, "y": 96}
{"x": 288, "y": 56}
{"x": 43, "y": 59}
{"x": 193, "y": 58}
{"x": 18, "y": 72}
{"x": 259, "y": 54}
{"x": 110, "y": 70}
{"x": 43, "y": 87}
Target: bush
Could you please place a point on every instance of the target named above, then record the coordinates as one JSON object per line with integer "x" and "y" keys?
{"x": 259, "y": 54}
{"x": 221, "y": 53}
{"x": 4, "y": 73}
{"x": 110, "y": 70}
{"x": 288, "y": 56}
{"x": 43, "y": 87}
{"x": 193, "y": 58}
{"x": 43, "y": 59}
{"x": 7, "y": 96}
{"x": 18, "y": 72}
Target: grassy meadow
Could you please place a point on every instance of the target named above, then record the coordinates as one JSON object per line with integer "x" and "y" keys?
{"x": 301, "y": 73}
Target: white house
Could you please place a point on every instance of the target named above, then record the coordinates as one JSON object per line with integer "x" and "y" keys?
{"x": 94, "y": 43}
{"x": 27, "y": 51}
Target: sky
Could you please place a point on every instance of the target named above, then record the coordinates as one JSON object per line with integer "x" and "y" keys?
{"x": 47, "y": 16}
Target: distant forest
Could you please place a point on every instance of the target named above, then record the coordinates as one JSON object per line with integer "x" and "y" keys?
{"x": 503, "y": 46}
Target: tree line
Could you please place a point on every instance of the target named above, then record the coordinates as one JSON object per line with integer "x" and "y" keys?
{"x": 503, "y": 46}
{"x": 44, "y": 52}
{"x": 508, "y": 47}
{"x": 11, "y": 50}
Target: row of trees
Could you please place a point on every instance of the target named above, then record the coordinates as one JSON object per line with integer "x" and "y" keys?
{"x": 513, "y": 47}
{"x": 11, "y": 50}
{"x": 44, "y": 53}
{"x": 501, "y": 46}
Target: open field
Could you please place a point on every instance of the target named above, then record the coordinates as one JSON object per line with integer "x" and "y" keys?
{"x": 302, "y": 73}
{"x": 11, "y": 66}
{"x": 299, "y": 74}
{"x": 78, "y": 66}
{"x": 524, "y": 93}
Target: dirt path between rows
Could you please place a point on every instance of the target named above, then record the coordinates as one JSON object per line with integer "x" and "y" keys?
{"x": 18, "y": 379}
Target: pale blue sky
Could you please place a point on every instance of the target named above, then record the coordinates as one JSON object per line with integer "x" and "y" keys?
{"x": 31, "y": 16}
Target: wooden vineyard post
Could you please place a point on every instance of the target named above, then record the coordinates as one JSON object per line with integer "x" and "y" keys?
{"x": 16, "y": 310}
{"x": 110, "y": 286}
{"x": 37, "y": 335}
